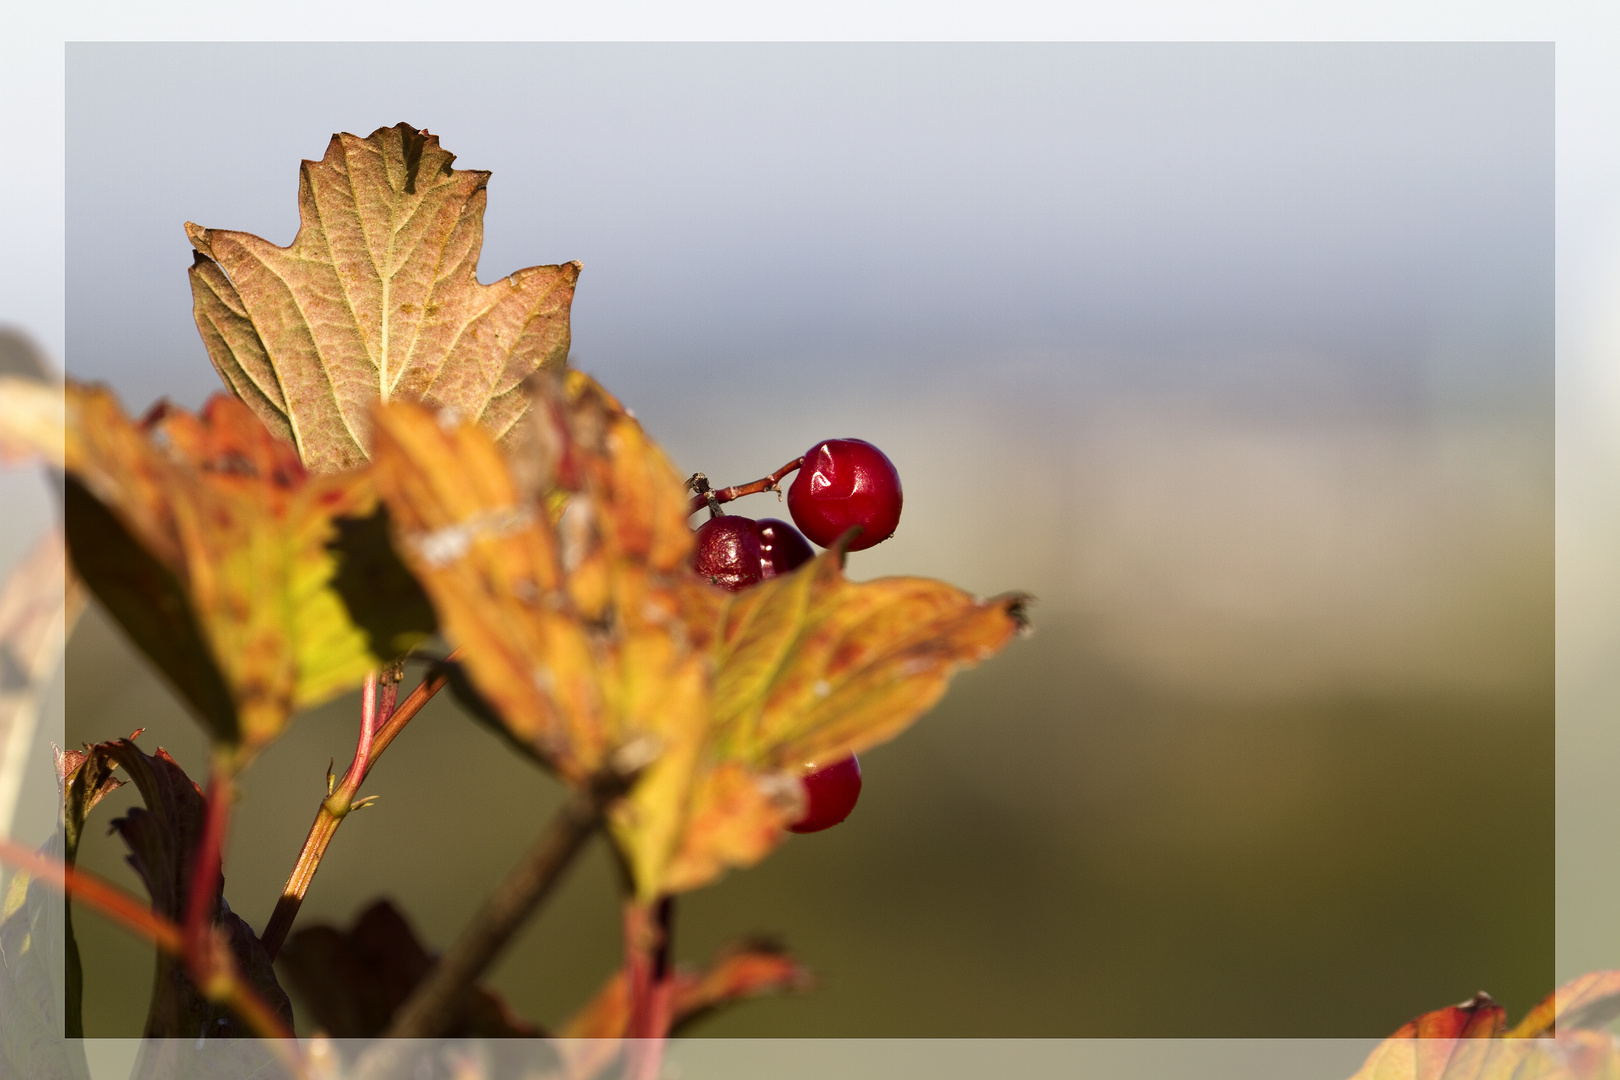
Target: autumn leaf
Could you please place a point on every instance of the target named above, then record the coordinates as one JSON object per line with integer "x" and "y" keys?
{"x": 353, "y": 981}
{"x": 84, "y": 778}
{"x": 751, "y": 968}
{"x": 586, "y": 631}
{"x": 219, "y": 554}
{"x": 377, "y": 297}
{"x": 1560, "y": 1039}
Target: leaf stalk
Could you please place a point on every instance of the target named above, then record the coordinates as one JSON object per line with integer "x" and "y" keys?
{"x": 380, "y": 722}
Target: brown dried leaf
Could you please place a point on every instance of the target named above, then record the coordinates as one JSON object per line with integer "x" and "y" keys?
{"x": 353, "y": 981}
{"x": 377, "y": 297}
{"x": 163, "y": 837}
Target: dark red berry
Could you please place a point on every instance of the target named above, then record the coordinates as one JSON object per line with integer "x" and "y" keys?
{"x": 845, "y": 482}
{"x": 728, "y": 552}
{"x": 829, "y": 794}
{"x": 784, "y": 548}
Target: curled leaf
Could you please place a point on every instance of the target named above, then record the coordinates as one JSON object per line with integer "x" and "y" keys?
{"x": 163, "y": 837}
{"x": 377, "y": 297}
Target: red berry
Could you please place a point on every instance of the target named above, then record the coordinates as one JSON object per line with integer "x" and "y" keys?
{"x": 829, "y": 794}
{"x": 845, "y": 482}
{"x": 728, "y": 552}
{"x": 785, "y": 548}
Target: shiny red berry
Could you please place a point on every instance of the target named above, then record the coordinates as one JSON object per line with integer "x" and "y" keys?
{"x": 829, "y": 794}
{"x": 728, "y": 552}
{"x": 784, "y": 548}
{"x": 845, "y": 482}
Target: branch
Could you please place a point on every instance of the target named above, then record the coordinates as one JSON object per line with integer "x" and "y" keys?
{"x": 431, "y": 1008}
{"x": 713, "y": 497}
{"x": 379, "y": 724}
{"x": 136, "y": 916}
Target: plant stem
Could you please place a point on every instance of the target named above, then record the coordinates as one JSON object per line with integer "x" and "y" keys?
{"x": 380, "y": 722}
{"x": 137, "y": 916}
{"x": 708, "y": 497}
{"x": 203, "y": 889}
{"x": 650, "y": 974}
{"x": 432, "y": 1006}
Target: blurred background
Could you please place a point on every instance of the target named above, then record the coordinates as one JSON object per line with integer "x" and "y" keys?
{"x": 1239, "y": 357}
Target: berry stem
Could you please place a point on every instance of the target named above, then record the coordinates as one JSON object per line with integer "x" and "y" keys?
{"x": 380, "y": 722}
{"x": 710, "y": 498}
{"x": 433, "y": 1005}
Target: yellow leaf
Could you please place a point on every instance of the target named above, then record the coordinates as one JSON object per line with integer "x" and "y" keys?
{"x": 377, "y": 297}
{"x": 209, "y": 542}
{"x": 587, "y": 631}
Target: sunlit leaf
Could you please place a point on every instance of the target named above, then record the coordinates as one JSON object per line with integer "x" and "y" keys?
{"x": 587, "y": 631}
{"x": 1471, "y": 1041}
{"x": 376, "y": 297}
{"x": 222, "y": 558}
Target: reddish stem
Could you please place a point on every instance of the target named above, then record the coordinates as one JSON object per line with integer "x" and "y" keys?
{"x": 137, "y": 916}
{"x": 205, "y": 875}
{"x": 380, "y": 722}
{"x": 710, "y": 497}
{"x": 119, "y": 906}
{"x": 650, "y": 974}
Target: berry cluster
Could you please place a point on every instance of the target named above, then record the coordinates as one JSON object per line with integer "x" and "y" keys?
{"x": 846, "y": 489}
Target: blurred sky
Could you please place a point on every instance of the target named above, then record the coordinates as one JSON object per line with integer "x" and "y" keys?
{"x": 1240, "y": 357}
{"x": 1201, "y": 340}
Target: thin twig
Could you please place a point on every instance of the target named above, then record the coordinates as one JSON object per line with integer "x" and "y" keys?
{"x": 384, "y": 723}
{"x": 431, "y": 1008}
{"x": 128, "y": 911}
{"x": 711, "y": 498}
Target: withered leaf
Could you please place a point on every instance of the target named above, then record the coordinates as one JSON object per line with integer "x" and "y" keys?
{"x": 1558, "y": 1040}
{"x": 219, "y": 554}
{"x": 352, "y": 981}
{"x": 751, "y": 968}
{"x": 590, "y": 631}
{"x": 84, "y": 778}
{"x": 377, "y": 297}
{"x": 163, "y": 837}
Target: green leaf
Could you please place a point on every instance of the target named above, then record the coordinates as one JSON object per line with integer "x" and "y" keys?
{"x": 377, "y": 297}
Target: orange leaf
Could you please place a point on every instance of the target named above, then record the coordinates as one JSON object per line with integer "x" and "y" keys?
{"x": 1470, "y": 1041}
{"x": 744, "y": 969}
